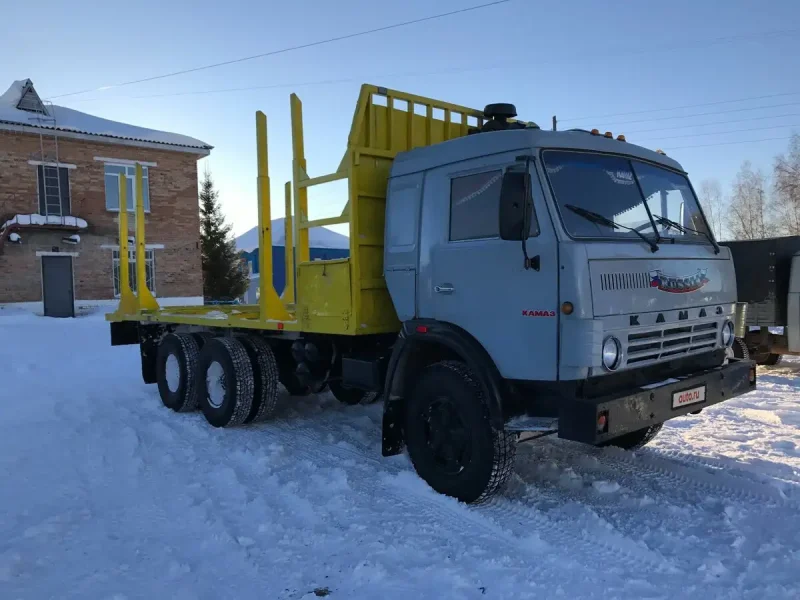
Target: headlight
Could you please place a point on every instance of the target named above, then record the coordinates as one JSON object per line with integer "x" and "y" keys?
{"x": 611, "y": 353}
{"x": 727, "y": 333}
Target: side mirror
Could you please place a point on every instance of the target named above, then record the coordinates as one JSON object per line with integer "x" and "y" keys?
{"x": 515, "y": 205}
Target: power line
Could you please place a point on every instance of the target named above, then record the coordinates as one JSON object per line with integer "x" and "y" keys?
{"x": 704, "y": 114}
{"x": 788, "y": 137}
{"x": 319, "y": 82}
{"x": 641, "y": 112}
{"x": 290, "y": 49}
{"x": 672, "y": 137}
{"x": 457, "y": 70}
{"x": 672, "y": 128}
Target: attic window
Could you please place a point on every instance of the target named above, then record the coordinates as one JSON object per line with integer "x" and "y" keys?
{"x": 30, "y": 100}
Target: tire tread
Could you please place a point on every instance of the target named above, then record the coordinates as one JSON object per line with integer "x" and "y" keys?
{"x": 268, "y": 376}
{"x": 504, "y": 443}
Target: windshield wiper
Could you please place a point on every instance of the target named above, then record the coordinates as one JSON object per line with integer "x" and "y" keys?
{"x": 670, "y": 224}
{"x": 601, "y": 220}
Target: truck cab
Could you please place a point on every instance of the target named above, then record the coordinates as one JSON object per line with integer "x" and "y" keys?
{"x": 571, "y": 274}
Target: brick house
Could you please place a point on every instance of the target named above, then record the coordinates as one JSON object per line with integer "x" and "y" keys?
{"x": 59, "y": 205}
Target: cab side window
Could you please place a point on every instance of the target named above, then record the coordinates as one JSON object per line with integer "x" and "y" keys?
{"x": 474, "y": 206}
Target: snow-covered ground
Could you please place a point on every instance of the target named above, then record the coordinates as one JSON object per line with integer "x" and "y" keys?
{"x": 104, "y": 493}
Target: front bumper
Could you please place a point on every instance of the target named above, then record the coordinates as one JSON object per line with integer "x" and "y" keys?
{"x": 579, "y": 417}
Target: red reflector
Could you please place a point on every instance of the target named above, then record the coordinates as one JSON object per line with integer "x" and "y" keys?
{"x": 280, "y": 325}
{"x": 422, "y": 329}
{"x": 601, "y": 422}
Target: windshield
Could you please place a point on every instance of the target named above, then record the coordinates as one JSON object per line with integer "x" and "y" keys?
{"x": 617, "y": 188}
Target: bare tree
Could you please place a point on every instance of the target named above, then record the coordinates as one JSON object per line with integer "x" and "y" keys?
{"x": 747, "y": 217}
{"x": 713, "y": 205}
{"x": 786, "y": 177}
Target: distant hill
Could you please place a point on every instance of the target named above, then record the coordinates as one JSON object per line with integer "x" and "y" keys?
{"x": 319, "y": 237}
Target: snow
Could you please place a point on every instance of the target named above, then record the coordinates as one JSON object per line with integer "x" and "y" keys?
{"x": 68, "y": 119}
{"x": 14, "y": 238}
{"x": 319, "y": 237}
{"x": 107, "y": 494}
{"x": 36, "y": 219}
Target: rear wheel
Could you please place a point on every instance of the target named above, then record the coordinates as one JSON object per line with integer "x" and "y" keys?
{"x": 225, "y": 382}
{"x": 176, "y": 368}
{"x": 450, "y": 439}
{"x": 635, "y": 439}
{"x": 350, "y": 395}
{"x": 286, "y": 373}
{"x": 265, "y": 378}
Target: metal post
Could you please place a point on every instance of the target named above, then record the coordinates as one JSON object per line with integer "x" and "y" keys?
{"x": 270, "y": 306}
{"x": 288, "y": 246}
{"x": 555, "y": 123}
{"x": 299, "y": 173}
{"x": 146, "y": 299}
{"x": 127, "y": 301}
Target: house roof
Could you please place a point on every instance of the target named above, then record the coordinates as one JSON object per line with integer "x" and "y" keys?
{"x": 318, "y": 237}
{"x": 21, "y": 106}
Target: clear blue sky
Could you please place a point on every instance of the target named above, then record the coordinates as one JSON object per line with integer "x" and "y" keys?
{"x": 572, "y": 59}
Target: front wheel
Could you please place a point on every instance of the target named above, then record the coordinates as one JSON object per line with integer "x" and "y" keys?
{"x": 450, "y": 439}
{"x": 769, "y": 359}
{"x": 635, "y": 439}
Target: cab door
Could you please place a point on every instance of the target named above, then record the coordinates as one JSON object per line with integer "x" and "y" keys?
{"x": 471, "y": 278}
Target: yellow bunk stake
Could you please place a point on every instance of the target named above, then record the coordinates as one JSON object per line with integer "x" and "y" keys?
{"x": 128, "y": 304}
{"x": 299, "y": 174}
{"x": 269, "y": 303}
{"x": 288, "y": 247}
{"x": 146, "y": 300}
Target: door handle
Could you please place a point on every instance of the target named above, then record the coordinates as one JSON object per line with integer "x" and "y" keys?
{"x": 443, "y": 289}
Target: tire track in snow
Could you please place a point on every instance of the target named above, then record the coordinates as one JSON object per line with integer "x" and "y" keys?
{"x": 722, "y": 485}
{"x": 721, "y": 466}
{"x": 511, "y": 516}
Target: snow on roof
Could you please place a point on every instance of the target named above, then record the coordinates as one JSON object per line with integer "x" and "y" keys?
{"x": 319, "y": 237}
{"x": 21, "y": 93}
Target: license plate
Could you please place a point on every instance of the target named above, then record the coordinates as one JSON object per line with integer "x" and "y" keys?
{"x": 691, "y": 396}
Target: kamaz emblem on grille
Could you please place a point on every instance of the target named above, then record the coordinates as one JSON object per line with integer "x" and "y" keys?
{"x": 678, "y": 285}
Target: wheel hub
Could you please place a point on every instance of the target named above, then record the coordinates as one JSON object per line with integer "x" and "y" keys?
{"x": 173, "y": 373}
{"x": 446, "y": 435}
{"x": 215, "y": 384}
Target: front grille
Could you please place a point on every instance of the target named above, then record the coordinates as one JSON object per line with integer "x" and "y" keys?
{"x": 625, "y": 281}
{"x": 656, "y": 344}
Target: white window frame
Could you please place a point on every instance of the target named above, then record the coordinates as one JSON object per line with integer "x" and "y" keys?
{"x": 130, "y": 172}
{"x": 57, "y": 167}
{"x": 150, "y": 260}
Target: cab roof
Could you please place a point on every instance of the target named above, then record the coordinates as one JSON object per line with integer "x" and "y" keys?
{"x": 497, "y": 142}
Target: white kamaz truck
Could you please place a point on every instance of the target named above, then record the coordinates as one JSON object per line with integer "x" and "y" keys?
{"x": 504, "y": 283}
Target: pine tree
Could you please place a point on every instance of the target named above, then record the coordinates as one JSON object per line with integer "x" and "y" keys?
{"x": 223, "y": 275}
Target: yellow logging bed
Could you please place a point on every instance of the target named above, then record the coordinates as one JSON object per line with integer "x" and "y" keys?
{"x": 343, "y": 296}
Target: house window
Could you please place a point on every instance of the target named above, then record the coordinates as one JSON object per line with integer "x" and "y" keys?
{"x": 474, "y": 206}
{"x": 149, "y": 270}
{"x": 53, "y": 190}
{"x": 112, "y": 175}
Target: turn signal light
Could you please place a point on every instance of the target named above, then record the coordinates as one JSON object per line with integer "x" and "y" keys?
{"x": 422, "y": 329}
{"x": 567, "y": 308}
